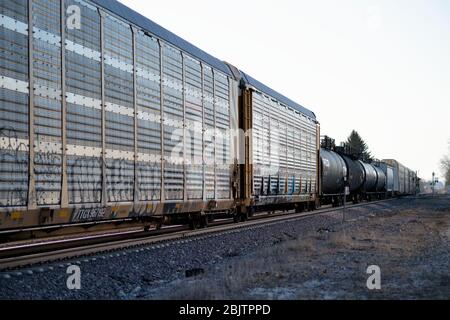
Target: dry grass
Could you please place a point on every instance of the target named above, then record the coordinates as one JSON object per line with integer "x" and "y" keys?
{"x": 394, "y": 237}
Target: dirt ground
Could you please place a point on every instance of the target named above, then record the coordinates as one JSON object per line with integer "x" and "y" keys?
{"x": 410, "y": 244}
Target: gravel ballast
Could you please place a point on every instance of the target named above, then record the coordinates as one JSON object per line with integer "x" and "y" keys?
{"x": 160, "y": 271}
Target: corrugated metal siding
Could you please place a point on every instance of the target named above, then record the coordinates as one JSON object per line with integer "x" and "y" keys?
{"x": 396, "y": 179}
{"x": 222, "y": 111}
{"x": 194, "y": 132}
{"x": 146, "y": 24}
{"x": 390, "y": 179}
{"x": 84, "y": 114}
{"x": 149, "y": 117}
{"x": 173, "y": 123}
{"x": 284, "y": 150}
{"x": 194, "y": 98}
{"x": 47, "y": 101}
{"x": 14, "y": 134}
{"x": 209, "y": 137}
{"x": 119, "y": 99}
{"x": 404, "y": 178}
{"x": 276, "y": 95}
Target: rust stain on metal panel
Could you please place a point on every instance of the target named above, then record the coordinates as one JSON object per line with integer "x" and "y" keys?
{"x": 63, "y": 213}
{"x": 16, "y": 215}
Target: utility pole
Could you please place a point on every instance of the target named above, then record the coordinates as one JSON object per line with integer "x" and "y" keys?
{"x": 432, "y": 184}
{"x": 346, "y": 191}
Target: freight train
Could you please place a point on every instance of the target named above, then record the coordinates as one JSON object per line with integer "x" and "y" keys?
{"x": 343, "y": 175}
{"x": 107, "y": 116}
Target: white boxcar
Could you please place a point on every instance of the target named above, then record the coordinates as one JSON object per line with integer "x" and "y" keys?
{"x": 116, "y": 104}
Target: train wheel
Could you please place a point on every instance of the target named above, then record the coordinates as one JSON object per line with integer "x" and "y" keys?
{"x": 311, "y": 206}
{"x": 251, "y": 212}
{"x": 236, "y": 214}
{"x": 204, "y": 221}
{"x": 193, "y": 222}
{"x": 334, "y": 202}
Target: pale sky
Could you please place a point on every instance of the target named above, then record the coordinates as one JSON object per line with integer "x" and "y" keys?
{"x": 380, "y": 67}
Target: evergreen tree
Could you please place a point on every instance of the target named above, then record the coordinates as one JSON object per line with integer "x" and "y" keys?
{"x": 358, "y": 146}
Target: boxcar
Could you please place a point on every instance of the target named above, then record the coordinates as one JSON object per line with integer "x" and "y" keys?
{"x": 389, "y": 173}
{"x": 405, "y": 180}
{"x": 116, "y": 103}
{"x": 282, "y": 151}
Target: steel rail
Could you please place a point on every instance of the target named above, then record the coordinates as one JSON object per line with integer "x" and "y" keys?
{"x": 20, "y": 256}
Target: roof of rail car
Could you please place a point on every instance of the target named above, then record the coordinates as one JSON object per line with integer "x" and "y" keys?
{"x": 276, "y": 95}
{"x": 148, "y": 25}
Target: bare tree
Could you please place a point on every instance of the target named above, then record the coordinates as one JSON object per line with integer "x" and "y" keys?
{"x": 445, "y": 166}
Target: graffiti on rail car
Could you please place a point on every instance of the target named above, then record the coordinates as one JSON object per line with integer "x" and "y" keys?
{"x": 13, "y": 166}
{"x": 92, "y": 177}
{"x": 14, "y": 169}
{"x": 82, "y": 215}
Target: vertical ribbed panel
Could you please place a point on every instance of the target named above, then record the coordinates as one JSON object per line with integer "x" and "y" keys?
{"x": 14, "y": 137}
{"x": 119, "y": 122}
{"x": 83, "y": 79}
{"x": 284, "y": 151}
{"x": 124, "y": 102}
{"x": 149, "y": 117}
{"x": 173, "y": 123}
{"x": 47, "y": 101}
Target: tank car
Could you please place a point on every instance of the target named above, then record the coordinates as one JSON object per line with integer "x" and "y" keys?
{"x": 370, "y": 180}
{"x": 355, "y": 178}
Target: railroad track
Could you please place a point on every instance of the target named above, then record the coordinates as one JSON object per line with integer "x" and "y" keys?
{"x": 31, "y": 254}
